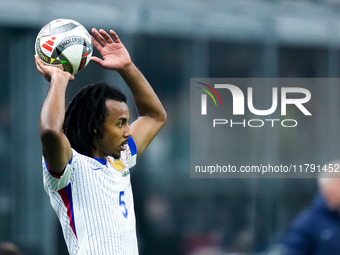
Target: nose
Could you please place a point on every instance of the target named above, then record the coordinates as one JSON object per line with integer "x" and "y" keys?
{"x": 127, "y": 131}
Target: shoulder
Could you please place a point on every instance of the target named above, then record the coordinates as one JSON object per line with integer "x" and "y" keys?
{"x": 305, "y": 218}
{"x": 78, "y": 163}
{"x": 304, "y": 224}
{"x": 299, "y": 237}
{"x": 307, "y": 223}
{"x": 76, "y": 158}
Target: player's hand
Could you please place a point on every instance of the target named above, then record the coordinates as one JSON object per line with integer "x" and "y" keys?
{"x": 115, "y": 56}
{"x": 49, "y": 71}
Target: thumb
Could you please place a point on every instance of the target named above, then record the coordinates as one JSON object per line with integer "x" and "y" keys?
{"x": 97, "y": 60}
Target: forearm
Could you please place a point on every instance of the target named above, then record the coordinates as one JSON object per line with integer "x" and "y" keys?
{"x": 146, "y": 100}
{"x": 56, "y": 147}
{"x": 53, "y": 110}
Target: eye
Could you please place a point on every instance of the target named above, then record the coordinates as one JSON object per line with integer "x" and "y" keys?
{"x": 121, "y": 123}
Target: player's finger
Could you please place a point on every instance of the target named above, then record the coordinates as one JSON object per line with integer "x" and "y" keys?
{"x": 114, "y": 36}
{"x": 37, "y": 60}
{"x": 97, "y": 60}
{"x": 99, "y": 37}
{"x": 106, "y": 36}
{"x": 40, "y": 70}
{"x": 40, "y": 66}
{"x": 96, "y": 44}
{"x": 100, "y": 62}
{"x": 37, "y": 63}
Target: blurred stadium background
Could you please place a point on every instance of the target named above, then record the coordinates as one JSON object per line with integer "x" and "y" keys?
{"x": 170, "y": 41}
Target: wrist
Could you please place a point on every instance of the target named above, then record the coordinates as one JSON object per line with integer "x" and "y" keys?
{"x": 126, "y": 69}
{"x": 60, "y": 76}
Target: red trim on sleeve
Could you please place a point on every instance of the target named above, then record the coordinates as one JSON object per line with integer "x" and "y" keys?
{"x": 66, "y": 196}
{"x": 48, "y": 169}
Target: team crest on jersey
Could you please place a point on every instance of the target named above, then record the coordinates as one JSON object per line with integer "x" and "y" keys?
{"x": 118, "y": 165}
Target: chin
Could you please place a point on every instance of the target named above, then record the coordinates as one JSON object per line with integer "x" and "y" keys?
{"x": 116, "y": 156}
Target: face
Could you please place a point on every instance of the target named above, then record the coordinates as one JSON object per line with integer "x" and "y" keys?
{"x": 116, "y": 130}
{"x": 331, "y": 192}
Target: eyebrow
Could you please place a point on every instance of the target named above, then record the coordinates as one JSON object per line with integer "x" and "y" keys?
{"x": 124, "y": 119}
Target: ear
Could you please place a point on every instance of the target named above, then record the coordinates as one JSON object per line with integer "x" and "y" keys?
{"x": 97, "y": 133}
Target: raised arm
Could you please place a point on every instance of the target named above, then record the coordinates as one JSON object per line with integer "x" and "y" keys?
{"x": 151, "y": 114}
{"x": 56, "y": 147}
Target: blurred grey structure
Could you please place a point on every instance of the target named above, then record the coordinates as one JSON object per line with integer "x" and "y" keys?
{"x": 170, "y": 41}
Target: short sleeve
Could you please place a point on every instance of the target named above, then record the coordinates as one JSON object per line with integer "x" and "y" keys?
{"x": 53, "y": 182}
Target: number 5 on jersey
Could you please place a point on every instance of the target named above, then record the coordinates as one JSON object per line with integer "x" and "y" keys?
{"x": 123, "y": 204}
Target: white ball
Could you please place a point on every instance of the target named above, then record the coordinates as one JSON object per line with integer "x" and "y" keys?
{"x": 64, "y": 42}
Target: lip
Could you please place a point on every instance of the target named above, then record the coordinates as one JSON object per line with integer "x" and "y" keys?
{"x": 122, "y": 146}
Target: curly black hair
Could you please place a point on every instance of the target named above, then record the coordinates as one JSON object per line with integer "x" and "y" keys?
{"x": 86, "y": 114}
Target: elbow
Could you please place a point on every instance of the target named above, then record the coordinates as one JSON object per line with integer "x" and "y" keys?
{"x": 159, "y": 116}
{"x": 163, "y": 117}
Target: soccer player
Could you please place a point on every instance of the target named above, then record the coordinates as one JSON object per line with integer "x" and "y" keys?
{"x": 87, "y": 151}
